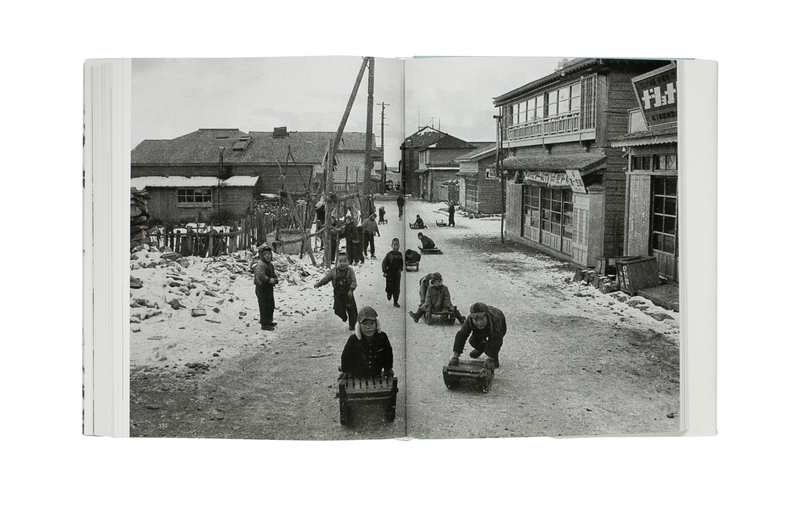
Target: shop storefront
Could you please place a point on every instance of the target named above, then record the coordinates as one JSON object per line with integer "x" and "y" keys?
{"x": 558, "y": 212}
{"x": 651, "y": 147}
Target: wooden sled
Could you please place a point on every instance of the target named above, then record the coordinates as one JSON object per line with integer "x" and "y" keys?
{"x": 474, "y": 370}
{"x": 441, "y": 223}
{"x": 445, "y": 316}
{"x": 412, "y": 266}
{"x": 430, "y": 251}
{"x": 416, "y": 227}
{"x": 357, "y": 391}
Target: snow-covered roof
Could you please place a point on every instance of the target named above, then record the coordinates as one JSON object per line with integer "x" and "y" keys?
{"x": 141, "y": 183}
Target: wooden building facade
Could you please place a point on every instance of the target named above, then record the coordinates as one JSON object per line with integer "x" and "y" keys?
{"x": 565, "y": 184}
{"x": 651, "y": 148}
{"x": 481, "y": 190}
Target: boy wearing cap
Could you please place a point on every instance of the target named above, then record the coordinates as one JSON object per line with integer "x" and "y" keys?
{"x": 368, "y": 351}
{"x": 392, "y": 266}
{"x": 344, "y": 284}
{"x": 265, "y": 282}
{"x": 437, "y": 299}
{"x": 485, "y": 327}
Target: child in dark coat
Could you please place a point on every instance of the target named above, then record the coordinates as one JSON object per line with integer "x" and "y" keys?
{"x": 392, "y": 266}
{"x": 265, "y": 281}
{"x": 485, "y": 327}
{"x": 368, "y": 351}
{"x": 344, "y": 284}
{"x": 437, "y": 299}
{"x": 427, "y": 242}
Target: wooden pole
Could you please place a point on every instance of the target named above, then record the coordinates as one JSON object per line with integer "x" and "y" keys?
{"x": 366, "y": 181}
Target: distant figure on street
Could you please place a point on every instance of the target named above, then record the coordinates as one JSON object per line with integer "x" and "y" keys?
{"x": 265, "y": 281}
{"x": 451, "y": 211}
{"x": 485, "y": 327}
{"x": 370, "y": 231}
{"x": 344, "y": 284}
{"x": 401, "y": 201}
{"x": 427, "y": 243}
{"x": 392, "y": 267}
{"x": 382, "y": 215}
{"x": 368, "y": 351}
{"x": 437, "y": 299}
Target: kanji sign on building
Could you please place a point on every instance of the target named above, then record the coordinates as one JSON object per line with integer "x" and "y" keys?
{"x": 570, "y": 179}
{"x": 657, "y": 93}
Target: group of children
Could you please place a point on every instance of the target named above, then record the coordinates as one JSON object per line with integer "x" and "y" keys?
{"x": 368, "y": 350}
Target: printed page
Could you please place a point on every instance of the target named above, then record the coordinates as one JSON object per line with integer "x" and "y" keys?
{"x": 570, "y": 296}
{"x": 230, "y": 155}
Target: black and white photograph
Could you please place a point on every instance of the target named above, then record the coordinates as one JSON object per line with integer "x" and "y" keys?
{"x": 331, "y": 248}
{"x": 180, "y": 179}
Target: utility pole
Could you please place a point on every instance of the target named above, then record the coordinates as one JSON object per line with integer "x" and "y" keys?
{"x": 368, "y": 163}
{"x": 498, "y": 142}
{"x": 383, "y": 158}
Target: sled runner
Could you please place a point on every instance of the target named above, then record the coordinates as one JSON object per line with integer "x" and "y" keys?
{"x": 430, "y": 251}
{"x": 468, "y": 370}
{"x": 414, "y": 226}
{"x": 355, "y": 391}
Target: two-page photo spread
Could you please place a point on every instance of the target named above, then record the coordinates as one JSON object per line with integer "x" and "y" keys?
{"x": 329, "y": 248}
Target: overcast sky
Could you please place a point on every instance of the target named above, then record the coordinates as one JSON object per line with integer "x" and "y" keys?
{"x": 173, "y": 97}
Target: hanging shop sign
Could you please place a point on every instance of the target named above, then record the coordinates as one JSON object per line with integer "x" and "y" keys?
{"x": 570, "y": 179}
{"x": 657, "y": 93}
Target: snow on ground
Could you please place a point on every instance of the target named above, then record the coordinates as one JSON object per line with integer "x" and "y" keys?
{"x": 529, "y": 267}
{"x": 186, "y": 307}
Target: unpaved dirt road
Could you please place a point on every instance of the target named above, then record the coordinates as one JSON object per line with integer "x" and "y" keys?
{"x": 574, "y": 361}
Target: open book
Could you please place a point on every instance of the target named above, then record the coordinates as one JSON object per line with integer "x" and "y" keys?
{"x": 567, "y": 205}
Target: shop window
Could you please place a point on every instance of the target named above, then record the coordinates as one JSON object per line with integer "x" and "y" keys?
{"x": 194, "y": 196}
{"x": 655, "y": 162}
{"x": 665, "y": 214}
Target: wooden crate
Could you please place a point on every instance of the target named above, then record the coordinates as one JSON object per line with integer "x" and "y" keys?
{"x": 357, "y": 391}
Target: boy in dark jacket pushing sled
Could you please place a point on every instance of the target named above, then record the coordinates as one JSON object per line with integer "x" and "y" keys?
{"x": 485, "y": 327}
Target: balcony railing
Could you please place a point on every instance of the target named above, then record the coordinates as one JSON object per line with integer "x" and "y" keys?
{"x": 549, "y": 126}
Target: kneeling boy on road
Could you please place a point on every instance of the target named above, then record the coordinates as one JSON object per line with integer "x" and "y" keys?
{"x": 485, "y": 327}
{"x": 437, "y": 299}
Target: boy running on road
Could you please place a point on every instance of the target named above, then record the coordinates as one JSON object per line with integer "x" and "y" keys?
{"x": 344, "y": 284}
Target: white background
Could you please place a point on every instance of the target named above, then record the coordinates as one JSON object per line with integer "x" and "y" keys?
{"x": 53, "y": 472}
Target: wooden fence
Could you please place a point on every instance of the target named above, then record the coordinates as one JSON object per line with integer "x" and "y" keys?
{"x": 256, "y": 227}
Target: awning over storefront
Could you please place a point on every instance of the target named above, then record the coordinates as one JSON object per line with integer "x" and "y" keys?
{"x": 556, "y": 163}
{"x": 657, "y": 136}
{"x": 556, "y": 171}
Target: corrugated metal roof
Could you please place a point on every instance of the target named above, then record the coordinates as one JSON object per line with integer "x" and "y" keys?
{"x": 656, "y": 136}
{"x": 141, "y": 183}
{"x": 555, "y": 163}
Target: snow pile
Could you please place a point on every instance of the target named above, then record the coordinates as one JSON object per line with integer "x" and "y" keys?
{"x": 179, "y": 304}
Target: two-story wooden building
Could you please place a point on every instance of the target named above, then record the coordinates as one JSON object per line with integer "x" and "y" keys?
{"x": 481, "y": 189}
{"x": 429, "y": 158}
{"x": 566, "y": 192}
{"x": 214, "y": 174}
